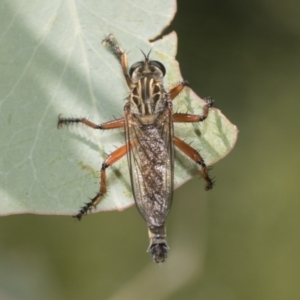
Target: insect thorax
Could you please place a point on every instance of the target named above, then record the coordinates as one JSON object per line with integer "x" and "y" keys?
{"x": 147, "y": 100}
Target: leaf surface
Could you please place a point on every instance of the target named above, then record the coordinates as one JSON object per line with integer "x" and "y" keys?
{"x": 53, "y": 62}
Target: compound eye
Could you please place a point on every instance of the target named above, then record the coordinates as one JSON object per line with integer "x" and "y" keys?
{"x": 159, "y": 66}
{"x": 135, "y": 66}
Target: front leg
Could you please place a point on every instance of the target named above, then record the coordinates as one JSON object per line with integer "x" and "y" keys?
{"x": 120, "y": 54}
{"x": 176, "y": 89}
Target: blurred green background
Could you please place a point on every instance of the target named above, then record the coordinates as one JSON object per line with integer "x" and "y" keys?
{"x": 238, "y": 241}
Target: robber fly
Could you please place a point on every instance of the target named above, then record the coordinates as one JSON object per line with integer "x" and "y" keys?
{"x": 148, "y": 122}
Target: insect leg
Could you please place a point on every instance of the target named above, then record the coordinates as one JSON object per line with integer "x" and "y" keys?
{"x": 176, "y": 89}
{"x": 111, "y": 159}
{"x": 188, "y": 118}
{"x": 196, "y": 157}
{"x": 120, "y": 54}
{"x": 118, "y": 123}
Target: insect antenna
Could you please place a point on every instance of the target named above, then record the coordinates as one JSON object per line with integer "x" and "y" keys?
{"x": 146, "y": 56}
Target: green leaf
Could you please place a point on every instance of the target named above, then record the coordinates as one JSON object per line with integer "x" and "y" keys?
{"x": 52, "y": 62}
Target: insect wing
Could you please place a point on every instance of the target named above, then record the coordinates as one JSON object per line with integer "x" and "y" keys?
{"x": 151, "y": 162}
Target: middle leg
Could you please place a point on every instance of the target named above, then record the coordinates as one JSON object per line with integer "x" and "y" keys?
{"x": 117, "y": 123}
{"x": 189, "y": 118}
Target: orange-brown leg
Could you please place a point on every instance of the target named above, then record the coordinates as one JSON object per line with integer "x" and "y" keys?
{"x": 120, "y": 54}
{"x": 176, "y": 89}
{"x": 117, "y": 123}
{"x": 188, "y": 118}
{"x": 111, "y": 159}
{"x": 196, "y": 157}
